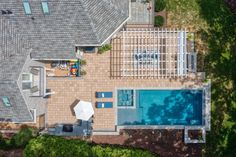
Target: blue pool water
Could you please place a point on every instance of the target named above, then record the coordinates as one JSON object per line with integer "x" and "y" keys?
{"x": 160, "y": 107}
{"x": 125, "y": 98}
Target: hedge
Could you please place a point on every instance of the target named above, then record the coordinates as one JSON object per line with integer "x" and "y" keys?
{"x": 19, "y": 140}
{"x": 22, "y": 138}
{"x": 159, "y": 5}
{"x": 53, "y": 146}
{"x": 159, "y": 21}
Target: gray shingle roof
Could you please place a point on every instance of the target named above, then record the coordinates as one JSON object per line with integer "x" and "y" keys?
{"x": 13, "y": 54}
{"x": 18, "y": 112}
{"x": 70, "y": 23}
{"x": 53, "y": 36}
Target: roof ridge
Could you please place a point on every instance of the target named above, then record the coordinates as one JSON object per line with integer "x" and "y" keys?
{"x": 111, "y": 7}
{"x": 91, "y": 23}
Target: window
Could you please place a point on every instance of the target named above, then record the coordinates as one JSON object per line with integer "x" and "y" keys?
{"x": 26, "y": 81}
{"x": 45, "y": 7}
{"x": 27, "y": 8}
{"x": 6, "y": 101}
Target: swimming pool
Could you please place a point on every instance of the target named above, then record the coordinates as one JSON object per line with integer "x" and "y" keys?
{"x": 161, "y": 107}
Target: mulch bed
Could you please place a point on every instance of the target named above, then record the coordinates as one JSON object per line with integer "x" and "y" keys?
{"x": 11, "y": 153}
{"x": 167, "y": 143}
{"x": 232, "y": 4}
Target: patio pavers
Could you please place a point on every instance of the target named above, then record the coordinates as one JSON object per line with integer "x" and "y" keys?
{"x": 67, "y": 90}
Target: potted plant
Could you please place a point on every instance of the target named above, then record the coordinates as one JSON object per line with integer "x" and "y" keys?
{"x": 104, "y": 48}
{"x": 82, "y": 62}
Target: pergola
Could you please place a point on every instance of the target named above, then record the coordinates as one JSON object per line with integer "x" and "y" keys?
{"x": 154, "y": 52}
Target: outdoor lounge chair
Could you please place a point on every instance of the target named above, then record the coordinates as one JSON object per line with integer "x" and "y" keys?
{"x": 104, "y": 94}
{"x": 104, "y": 104}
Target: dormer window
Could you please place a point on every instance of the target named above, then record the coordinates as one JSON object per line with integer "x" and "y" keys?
{"x": 45, "y": 7}
{"x": 27, "y": 8}
{"x": 26, "y": 81}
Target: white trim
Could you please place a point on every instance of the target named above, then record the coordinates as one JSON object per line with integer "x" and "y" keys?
{"x": 34, "y": 59}
{"x": 165, "y": 43}
{"x": 21, "y": 91}
{"x": 115, "y": 31}
{"x": 35, "y": 117}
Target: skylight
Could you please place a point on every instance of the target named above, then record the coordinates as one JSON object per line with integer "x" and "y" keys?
{"x": 6, "y": 101}
{"x": 27, "y": 8}
{"x": 45, "y": 7}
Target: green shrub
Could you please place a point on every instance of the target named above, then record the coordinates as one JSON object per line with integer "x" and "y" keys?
{"x": 82, "y": 62}
{"x": 19, "y": 140}
{"x": 104, "y": 48}
{"x": 159, "y": 21}
{"x": 3, "y": 143}
{"x": 114, "y": 151}
{"x": 159, "y": 5}
{"x": 22, "y": 138}
{"x": 52, "y": 146}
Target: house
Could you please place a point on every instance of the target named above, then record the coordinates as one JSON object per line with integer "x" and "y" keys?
{"x": 150, "y": 73}
{"x": 37, "y": 31}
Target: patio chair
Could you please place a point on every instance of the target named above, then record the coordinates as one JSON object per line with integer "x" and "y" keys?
{"x": 104, "y": 94}
{"x": 104, "y": 104}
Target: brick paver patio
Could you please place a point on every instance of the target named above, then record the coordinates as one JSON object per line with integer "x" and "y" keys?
{"x": 67, "y": 90}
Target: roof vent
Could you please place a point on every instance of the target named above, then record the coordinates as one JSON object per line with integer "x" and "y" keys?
{"x": 6, "y": 12}
{"x": 9, "y": 12}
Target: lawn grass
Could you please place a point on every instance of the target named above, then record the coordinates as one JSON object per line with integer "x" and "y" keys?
{"x": 185, "y": 14}
{"x": 215, "y": 26}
